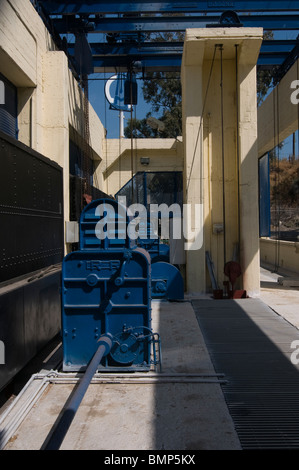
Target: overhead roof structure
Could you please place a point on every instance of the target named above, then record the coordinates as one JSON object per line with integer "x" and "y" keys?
{"x": 126, "y": 30}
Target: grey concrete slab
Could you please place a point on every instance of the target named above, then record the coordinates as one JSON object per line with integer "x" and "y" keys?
{"x": 282, "y": 299}
{"x": 172, "y": 416}
{"x": 179, "y": 415}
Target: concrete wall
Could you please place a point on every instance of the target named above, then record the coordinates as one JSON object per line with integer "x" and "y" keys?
{"x": 277, "y": 119}
{"x": 120, "y": 163}
{"x": 277, "y": 116}
{"x": 50, "y": 101}
{"x": 280, "y": 253}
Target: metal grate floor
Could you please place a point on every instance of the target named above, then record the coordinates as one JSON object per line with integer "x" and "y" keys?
{"x": 251, "y": 345}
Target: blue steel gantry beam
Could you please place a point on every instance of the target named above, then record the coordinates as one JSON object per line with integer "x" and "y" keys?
{"x": 128, "y": 27}
{"x": 147, "y": 24}
{"x": 73, "y": 7}
{"x": 168, "y": 55}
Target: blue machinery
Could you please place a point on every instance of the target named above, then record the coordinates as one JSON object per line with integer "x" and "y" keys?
{"x": 106, "y": 304}
{"x": 107, "y": 287}
{"x": 166, "y": 280}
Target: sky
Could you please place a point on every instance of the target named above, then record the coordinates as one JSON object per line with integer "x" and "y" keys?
{"x": 109, "y": 117}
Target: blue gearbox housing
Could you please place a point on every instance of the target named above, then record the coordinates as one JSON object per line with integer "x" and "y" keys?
{"x": 106, "y": 289}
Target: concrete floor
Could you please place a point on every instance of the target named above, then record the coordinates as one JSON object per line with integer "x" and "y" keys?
{"x": 179, "y": 415}
{"x": 280, "y": 291}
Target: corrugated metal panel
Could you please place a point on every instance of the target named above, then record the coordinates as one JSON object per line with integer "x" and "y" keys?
{"x": 31, "y": 212}
{"x": 251, "y": 345}
{"x": 30, "y": 316}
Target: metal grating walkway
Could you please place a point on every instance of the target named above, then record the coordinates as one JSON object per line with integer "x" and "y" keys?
{"x": 251, "y": 345}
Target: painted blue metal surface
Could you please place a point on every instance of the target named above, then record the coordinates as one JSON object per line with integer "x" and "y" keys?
{"x": 69, "y": 7}
{"x": 150, "y": 49}
{"x": 158, "y": 251}
{"x": 158, "y": 188}
{"x": 106, "y": 289}
{"x": 152, "y": 244}
{"x": 106, "y": 292}
{"x": 167, "y": 282}
{"x": 168, "y": 56}
{"x": 128, "y": 24}
{"x": 172, "y": 62}
{"x": 103, "y": 226}
{"x": 146, "y": 24}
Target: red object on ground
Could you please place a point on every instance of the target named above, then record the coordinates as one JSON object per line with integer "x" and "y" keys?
{"x": 232, "y": 270}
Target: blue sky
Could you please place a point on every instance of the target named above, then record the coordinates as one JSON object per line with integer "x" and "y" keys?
{"x": 109, "y": 117}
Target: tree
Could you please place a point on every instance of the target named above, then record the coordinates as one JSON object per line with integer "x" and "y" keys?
{"x": 163, "y": 92}
{"x": 265, "y": 76}
{"x": 264, "y": 81}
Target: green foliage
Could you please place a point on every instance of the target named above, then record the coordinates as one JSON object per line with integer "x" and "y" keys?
{"x": 138, "y": 128}
{"x": 163, "y": 92}
{"x": 264, "y": 81}
{"x": 284, "y": 179}
{"x": 265, "y": 77}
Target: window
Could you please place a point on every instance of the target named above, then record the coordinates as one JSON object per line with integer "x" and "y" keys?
{"x": 8, "y": 107}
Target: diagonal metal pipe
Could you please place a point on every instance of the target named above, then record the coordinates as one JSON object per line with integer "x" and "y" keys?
{"x": 61, "y": 427}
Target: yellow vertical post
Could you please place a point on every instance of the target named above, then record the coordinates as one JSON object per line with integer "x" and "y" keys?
{"x": 220, "y": 151}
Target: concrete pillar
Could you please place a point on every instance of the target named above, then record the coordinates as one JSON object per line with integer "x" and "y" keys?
{"x": 249, "y": 203}
{"x": 55, "y": 118}
{"x": 193, "y": 187}
{"x": 220, "y": 151}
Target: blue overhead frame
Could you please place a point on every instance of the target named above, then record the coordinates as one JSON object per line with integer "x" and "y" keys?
{"x": 144, "y": 24}
{"x": 128, "y": 30}
{"x": 168, "y": 56}
{"x": 78, "y": 7}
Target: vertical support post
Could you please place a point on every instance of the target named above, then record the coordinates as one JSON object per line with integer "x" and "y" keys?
{"x": 220, "y": 150}
{"x": 249, "y": 203}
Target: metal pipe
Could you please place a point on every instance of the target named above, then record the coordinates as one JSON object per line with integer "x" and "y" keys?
{"x": 142, "y": 380}
{"x": 56, "y": 437}
{"x": 74, "y": 375}
{"x": 238, "y": 150}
